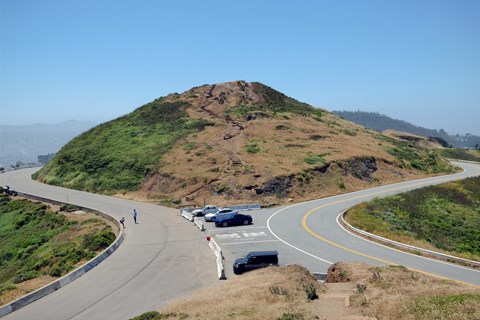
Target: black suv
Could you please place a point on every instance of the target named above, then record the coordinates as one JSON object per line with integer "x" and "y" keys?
{"x": 255, "y": 260}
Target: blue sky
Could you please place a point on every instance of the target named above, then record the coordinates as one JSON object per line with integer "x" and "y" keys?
{"x": 417, "y": 61}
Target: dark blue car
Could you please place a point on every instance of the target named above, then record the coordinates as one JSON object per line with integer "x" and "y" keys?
{"x": 233, "y": 219}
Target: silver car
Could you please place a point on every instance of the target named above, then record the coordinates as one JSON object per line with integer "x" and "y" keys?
{"x": 211, "y": 217}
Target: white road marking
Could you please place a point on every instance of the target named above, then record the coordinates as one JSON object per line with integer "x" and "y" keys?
{"x": 244, "y": 242}
{"x": 228, "y": 235}
{"x": 254, "y": 234}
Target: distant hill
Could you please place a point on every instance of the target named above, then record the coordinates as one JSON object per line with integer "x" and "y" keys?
{"x": 381, "y": 122}
{"x": 235, "y": 142}
{"x": 25, "y": 143}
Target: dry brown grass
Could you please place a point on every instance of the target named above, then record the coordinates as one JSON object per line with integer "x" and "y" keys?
{"x": 212, "y": 163}
{"x": 263, "y": 294}
{"x": 391, "y": 292}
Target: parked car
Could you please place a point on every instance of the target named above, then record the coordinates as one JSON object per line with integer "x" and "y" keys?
{"x": 255, "y": 260}
{"x": 205, "y": 210}
{"x": 213, "y": 216}
{"x": 233, "y": 219}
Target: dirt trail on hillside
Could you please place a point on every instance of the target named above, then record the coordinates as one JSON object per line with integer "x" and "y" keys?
{"x": 228, "y": 140}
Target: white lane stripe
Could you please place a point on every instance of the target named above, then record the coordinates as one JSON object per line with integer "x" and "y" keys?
{"x": 242, "y": 242}
{"x": 236, "y": 229}
{"x": 425, "y": 181}
{"x": 288, "y": 244}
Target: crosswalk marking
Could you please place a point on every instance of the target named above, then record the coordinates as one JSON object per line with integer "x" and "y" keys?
{"x": 228, "y": 236}
{"x": 254, "y": 234}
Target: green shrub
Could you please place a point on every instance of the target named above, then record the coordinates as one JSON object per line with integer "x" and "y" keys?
{"x": 24, "y": 276}
{"x": 279, "y": 291}
{"x": 68, "y": 207}
{"x": 101, "y": 240}
{"x": 291, "y": 316}
{"x": 189, "y": 146}
{"x": 6, "y": 287}
{"x": 154, "y": 315}
{"x": 314, "y": 159}
{"x": 311, "y": 291}
{"x": 252, "y": 147}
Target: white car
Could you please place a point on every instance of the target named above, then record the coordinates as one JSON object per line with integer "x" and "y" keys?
{"x": 211, "y": 217}
{"x": 205, "y": 210}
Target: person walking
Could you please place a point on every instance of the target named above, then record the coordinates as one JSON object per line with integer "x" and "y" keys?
{"x": 122, "y": 221}
{"x": 135, "y": 216}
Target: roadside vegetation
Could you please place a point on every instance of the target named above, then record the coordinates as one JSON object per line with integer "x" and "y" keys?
{"x": 292, "y": 293}
{"x": 117, "y": 155}
{"x": 411, "y": 156}
{"x": 461, "y": 154}
{"x": 38, "y": 245}
{"x": 445, "y": 216}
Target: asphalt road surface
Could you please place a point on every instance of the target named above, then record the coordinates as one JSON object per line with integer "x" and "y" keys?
{"x": 161, "y": 258}
{"x": 164, "y": 257}
{"x": 308, "y": 234}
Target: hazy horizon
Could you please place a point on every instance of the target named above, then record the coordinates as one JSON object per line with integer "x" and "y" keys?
{"x": 96, "y": 61}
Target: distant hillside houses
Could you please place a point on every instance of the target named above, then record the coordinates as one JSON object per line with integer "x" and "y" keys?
{"x": 381, "y": 122}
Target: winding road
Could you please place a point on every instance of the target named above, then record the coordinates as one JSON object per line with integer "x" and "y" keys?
{"x": 308, "y": 234}
{"x": 164, "y": 257}
{"x": 161, "y": 258}
{"x": 317, "y": 234}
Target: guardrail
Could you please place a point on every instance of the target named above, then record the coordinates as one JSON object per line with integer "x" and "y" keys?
{"x": 75, "y": 274}
{"x": 438, "y": 255}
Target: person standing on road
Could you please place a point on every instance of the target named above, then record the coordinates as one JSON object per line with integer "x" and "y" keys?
{"x": 122, "y": 222}
{"x": 135, "y": 216}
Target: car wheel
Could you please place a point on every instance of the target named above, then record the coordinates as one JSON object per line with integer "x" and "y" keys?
{"x": 213, "y": 219}
{"x": 225, "y": 224}
{"x": 245, "y": 222}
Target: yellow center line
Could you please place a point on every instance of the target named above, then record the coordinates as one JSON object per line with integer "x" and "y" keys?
{"x": 307, "y": 228}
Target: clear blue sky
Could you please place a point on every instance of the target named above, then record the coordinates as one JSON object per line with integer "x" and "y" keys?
{"x": 414, "y": 60}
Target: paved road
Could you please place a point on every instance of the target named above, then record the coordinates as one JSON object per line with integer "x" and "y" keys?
{"x": 162, "y": 258}
{"x": 308, "y": 234}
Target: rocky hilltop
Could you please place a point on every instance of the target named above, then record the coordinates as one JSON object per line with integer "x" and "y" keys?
{"x": 235, "y": 142}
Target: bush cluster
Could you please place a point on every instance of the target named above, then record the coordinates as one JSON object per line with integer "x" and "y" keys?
{"x": 447, "y": 215}
{"x": 35, "y": 240}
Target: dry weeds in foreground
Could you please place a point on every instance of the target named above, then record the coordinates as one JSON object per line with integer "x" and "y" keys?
{"x": 395, "y": 292}
{"x": 262, "y": 294}
{"x": 278, "y": 293}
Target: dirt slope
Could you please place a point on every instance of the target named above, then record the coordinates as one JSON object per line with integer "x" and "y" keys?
{"x": 252, "y": 153}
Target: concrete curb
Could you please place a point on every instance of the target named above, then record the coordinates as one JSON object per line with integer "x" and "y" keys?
{"x": 66, "y": 279}
{"x": 187, "y": 215}
{"x": 399, "y": 245}
{"x": 199, "y": 224}
{"x": 220, "y": 259}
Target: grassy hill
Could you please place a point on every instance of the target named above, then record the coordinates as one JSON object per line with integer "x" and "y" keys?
{"x": 445, "y": 217}
{"x": 38, "y": 245}
{"x": 234, "y": 142}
